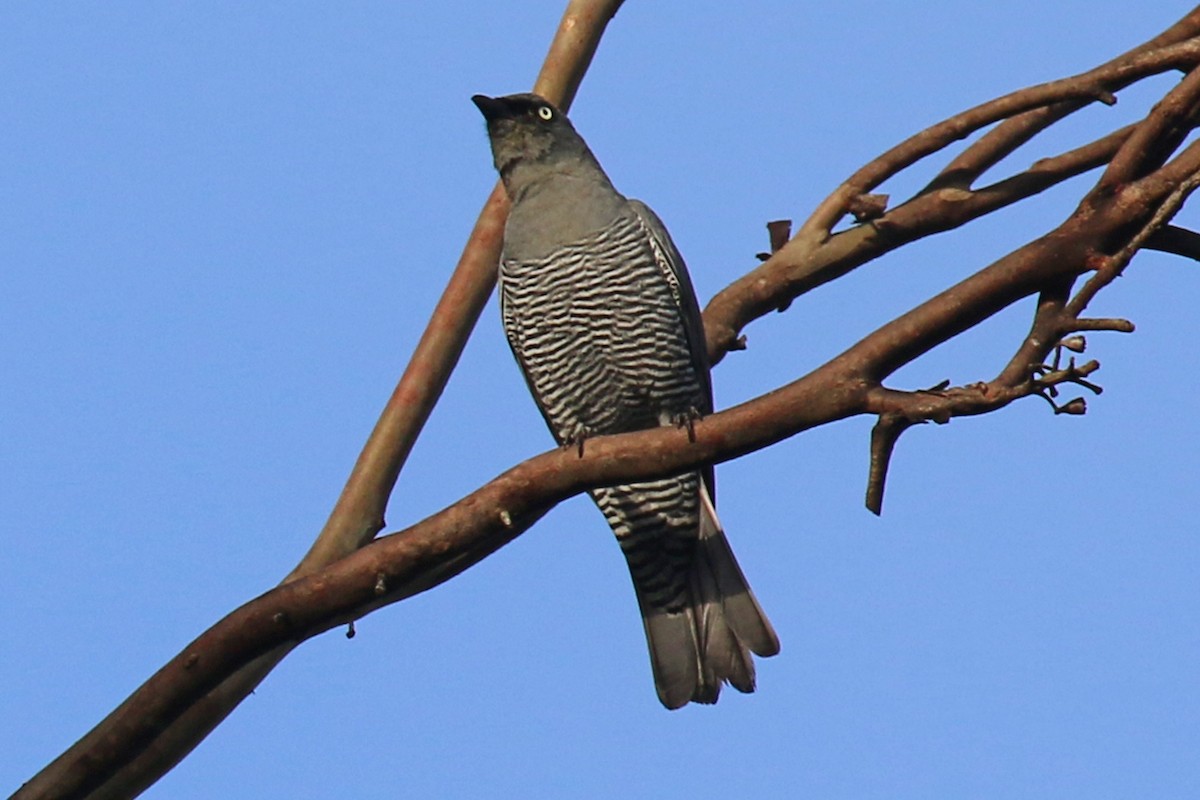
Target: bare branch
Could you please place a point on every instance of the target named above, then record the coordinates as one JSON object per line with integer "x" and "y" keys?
{"x": 884, "y": 436}
{"x": 1010, "y": 134}
{"x": 1162, "y": 131}
{"x": 1163, "y": 193}
{"x": 358, "y": 514}
{"x": 760, "y": 292}
{"x": 414, "y": 560}
{"x": 1153, "y": 142}
{"x": 346, "y": 575}
{"x": 1175, "y": 240}
{"x": 814, "y": 257}
{"x": 1090, "y": 86}
{"x": 1103, "y": 324}
{"x": 1054, "y": 317}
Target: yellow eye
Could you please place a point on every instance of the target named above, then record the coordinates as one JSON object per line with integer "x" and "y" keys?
{"x": 546, "y": 113}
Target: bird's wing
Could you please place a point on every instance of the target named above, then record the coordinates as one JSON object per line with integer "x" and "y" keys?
{"x": 669, "y": 259}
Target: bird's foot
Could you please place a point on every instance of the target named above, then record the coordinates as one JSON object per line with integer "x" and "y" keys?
{"x": 688, "y": 420}
{"x": 576, "y": 436}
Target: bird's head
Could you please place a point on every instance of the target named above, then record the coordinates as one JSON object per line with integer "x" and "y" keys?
{"x": 526, "y": 130}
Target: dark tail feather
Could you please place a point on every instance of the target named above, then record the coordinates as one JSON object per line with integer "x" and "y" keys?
{"x": 695, "y": 650}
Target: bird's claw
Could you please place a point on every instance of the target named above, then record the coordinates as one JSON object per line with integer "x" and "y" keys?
{"x": 576, "y": 437}
{"x": 688, "y": 420}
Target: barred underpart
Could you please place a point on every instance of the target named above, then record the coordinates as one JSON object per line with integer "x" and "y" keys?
{"x": 597, "y": 326}
{"x": 656, "y": 524}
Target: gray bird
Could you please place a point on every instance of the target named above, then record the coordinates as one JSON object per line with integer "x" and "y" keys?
{"x": 600, "y": 313}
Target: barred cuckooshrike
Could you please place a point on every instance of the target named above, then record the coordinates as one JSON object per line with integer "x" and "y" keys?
{"x": 601, "y": 316}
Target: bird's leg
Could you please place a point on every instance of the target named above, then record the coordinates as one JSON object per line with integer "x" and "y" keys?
{"x": 576, "y": 436}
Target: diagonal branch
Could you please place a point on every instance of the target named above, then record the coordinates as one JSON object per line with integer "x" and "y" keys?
{"x": 1010, "y": 134}
{"x": 884, "y": 436}
{"x": 358, "y": 514}
{"x": 756, "y": 293}
{"x": 167, "y": 715}
{"x": 814, "y": 257}
{"x": 1149, "y": 147}
{"x": 1095, "y": 85}
{"x": 1176, "y": 241}
{"x": 430, "y": 552}
{"x": 1163, "y": 130}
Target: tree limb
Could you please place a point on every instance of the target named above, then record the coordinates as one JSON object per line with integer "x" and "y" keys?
{"x": 815, "y": 256}
{"x": 359, "y": 512}
{"x": 1137, "y": 196}
{"x": 1175, "y": 240}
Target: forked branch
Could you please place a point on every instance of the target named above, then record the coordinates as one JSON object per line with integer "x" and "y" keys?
{"x": 347, "y": 575}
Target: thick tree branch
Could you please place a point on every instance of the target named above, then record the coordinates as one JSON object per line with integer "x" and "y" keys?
{"x": 358, "y": 515}
{"x": 359, "y": 512}
{"x": 430, "y": 552}
{"x": 1162, "y": 131}
{"x": 345, "y": 577}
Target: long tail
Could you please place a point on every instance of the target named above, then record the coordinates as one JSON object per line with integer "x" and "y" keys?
{"x": 707, "y": 643}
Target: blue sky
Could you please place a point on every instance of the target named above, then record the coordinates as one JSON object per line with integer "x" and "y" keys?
{"x": 222, "y": 227}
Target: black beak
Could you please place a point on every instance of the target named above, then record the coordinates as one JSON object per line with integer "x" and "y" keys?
{"x": 491, "y": 107}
